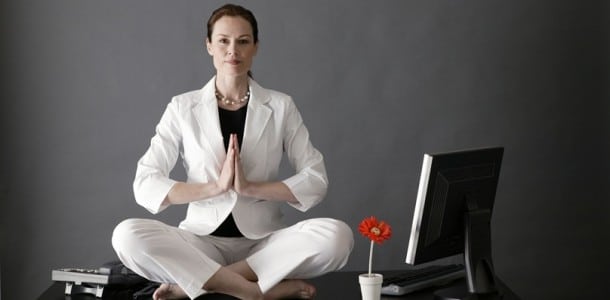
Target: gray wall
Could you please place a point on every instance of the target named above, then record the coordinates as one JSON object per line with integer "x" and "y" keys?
{"x": 378, "y": 83}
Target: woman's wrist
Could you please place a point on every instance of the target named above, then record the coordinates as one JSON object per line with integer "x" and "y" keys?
{"x": 218, "y": 188}
{"x": 182, "y": 192}
{"x": 274, "y": 191}
{"x": 246, "y": 189}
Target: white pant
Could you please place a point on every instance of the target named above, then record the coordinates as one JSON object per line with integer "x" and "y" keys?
{"x": 167, "y": 254}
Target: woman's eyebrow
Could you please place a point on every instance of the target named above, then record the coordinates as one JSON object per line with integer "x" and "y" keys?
{"x": 241, "y": 36}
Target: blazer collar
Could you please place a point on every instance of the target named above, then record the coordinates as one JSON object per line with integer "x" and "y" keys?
{"x": 258, "y": 94}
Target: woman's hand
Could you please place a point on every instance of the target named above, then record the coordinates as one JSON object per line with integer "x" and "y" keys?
{"x": 227, "y": 173}
{"x": 240, "y": 183}
{"x": 275, "y": 191}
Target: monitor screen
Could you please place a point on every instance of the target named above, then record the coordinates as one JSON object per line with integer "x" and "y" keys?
{"x": 453, "y": 209}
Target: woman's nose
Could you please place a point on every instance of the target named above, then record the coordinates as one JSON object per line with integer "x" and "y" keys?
{"x": 232, "y": 49}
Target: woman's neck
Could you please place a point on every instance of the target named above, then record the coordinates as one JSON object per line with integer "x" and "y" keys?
{"x": 232, "y": 87}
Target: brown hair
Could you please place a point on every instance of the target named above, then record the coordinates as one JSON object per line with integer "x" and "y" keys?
{"x": 232, "y": 10}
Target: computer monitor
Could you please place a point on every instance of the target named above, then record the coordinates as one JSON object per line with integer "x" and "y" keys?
{"x": 453, "y": 213}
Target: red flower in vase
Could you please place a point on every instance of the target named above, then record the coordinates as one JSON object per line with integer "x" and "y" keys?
{"x": 374, "y": 230}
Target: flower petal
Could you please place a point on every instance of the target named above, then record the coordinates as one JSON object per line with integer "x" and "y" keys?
{"x": 374, "y": 230}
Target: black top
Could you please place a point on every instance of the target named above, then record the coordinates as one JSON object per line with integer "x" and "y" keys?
{"x": 231, "y": 122}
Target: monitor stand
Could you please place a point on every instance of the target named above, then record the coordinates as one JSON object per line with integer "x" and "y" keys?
{"x": 480, "y": 276}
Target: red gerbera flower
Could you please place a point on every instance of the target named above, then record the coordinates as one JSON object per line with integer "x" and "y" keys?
{"x": 374, "y": 230}
{"x": 377, "y": 232}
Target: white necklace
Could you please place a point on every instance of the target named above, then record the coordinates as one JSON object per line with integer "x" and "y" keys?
{"x": 228, "y": 101}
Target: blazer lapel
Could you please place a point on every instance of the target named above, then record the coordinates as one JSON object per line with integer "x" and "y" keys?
{"x": 256, "y": 120}
{"x": 206, "y": 113}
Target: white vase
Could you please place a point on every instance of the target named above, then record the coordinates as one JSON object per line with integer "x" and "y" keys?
{"x": 370, "y": 286}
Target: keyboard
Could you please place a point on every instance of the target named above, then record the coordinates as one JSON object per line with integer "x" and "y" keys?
{"x": 408, "y": 281}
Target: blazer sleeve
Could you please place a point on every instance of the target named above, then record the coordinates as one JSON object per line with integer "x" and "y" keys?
{"x": 310, "y": 183}
{"x": 152, "y": 182}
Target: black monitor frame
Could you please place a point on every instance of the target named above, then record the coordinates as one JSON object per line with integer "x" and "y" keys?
{"x": 453, "y": 215}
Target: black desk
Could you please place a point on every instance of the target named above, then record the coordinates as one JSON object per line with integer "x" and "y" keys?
{"x": 333, "y": 286}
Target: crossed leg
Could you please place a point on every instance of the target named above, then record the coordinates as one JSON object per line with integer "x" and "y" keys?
{"x": 307, "y": 249}
{"x": 289, "y": 288}
{"x": 239, "y": 280}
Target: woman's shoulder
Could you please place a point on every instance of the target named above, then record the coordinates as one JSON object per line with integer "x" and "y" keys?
{"x": 190, "y": 99}
{"x": 274, "y": 96}
{"x": 185, "y": 102}
{"x": 280, "y": 98}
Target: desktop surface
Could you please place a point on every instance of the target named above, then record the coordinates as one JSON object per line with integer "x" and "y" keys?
{"x": 332, "y": 286}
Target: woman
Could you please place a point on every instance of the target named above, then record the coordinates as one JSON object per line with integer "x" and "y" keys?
{"x": 232, "y": 240}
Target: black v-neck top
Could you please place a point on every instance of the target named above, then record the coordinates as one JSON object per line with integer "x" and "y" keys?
{"x": 231, "y": 122}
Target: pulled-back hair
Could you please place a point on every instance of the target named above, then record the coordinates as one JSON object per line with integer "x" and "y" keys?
{"x": 232, "y": 10}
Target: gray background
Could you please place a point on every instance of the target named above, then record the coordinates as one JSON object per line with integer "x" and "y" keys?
{"x": 378, "y": 83}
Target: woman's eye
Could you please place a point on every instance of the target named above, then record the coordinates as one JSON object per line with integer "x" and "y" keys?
{"x": 244, "y": 42}
{"x": 223, "y": 41}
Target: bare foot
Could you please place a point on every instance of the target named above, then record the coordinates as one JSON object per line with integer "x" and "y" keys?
{"x": 169, "y": 291}
{"x": 291, "y": 289}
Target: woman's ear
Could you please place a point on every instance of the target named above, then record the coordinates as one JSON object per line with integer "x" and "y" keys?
{"x": 208, "y": 46}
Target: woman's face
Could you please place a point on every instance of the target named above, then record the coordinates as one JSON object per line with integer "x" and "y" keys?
{"x": 232, "y": 46}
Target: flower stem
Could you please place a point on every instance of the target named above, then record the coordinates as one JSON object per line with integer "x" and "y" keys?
{"x": 371, "y": 259}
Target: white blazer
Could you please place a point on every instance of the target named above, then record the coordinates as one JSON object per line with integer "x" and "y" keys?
{"x": 190, "y": 128}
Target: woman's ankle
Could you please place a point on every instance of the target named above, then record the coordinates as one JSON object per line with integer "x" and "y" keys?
{"x": 228, "y": 282}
